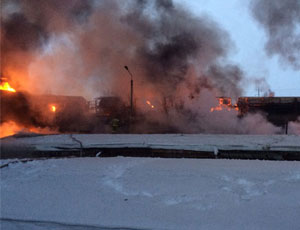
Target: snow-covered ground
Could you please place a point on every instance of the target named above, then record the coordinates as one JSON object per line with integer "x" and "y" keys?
{"x": 199, "y": 142}
{"x": 150, "y": 193}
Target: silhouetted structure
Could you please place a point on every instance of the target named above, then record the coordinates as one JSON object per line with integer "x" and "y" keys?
{"x": 278, "y": 110}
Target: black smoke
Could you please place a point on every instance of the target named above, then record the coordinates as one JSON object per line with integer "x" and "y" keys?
{"x": 281, "y": 22}
{"x": 16, "y": 107}
{"x": 27, "y": 25}
{"x": 19, "y": 33}
{"x": 179, "y": 61}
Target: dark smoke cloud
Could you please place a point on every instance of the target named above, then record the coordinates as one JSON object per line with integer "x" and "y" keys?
{"x": 174, "y": 42}
{"x": 179, "y": 61}
{"x": 17, "y": 107}
{"x": 165, "y": 46}
{"x": 281, "y": 21}
{"x": 34, "y": 21}
{"x": 21, "y": 34}
{"x": 227, "y": 79}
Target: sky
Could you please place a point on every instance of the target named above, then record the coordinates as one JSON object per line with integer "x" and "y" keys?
{"x": 249, "y": 39}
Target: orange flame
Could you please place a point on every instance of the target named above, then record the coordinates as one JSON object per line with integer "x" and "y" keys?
{"x": 224, "y": 103}
{"x": 10, "y": 128}
{"x": 52, "y": 108}
{"x": 5, "y": 86}
{"x": 149, "y": 103}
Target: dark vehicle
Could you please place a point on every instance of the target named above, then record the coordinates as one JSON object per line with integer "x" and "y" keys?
{"x": 62, "y": 113}
{"x": 112, "y": 107}
{"x": 112, "y": 112}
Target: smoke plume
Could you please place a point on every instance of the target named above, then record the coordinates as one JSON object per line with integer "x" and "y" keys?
{"x": 281, "y": 21}
{"x": 77, "y": 47}
{"x": 294, "y": 127}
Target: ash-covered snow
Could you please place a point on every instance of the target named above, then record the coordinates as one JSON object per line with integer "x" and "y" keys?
{"x": 150, "y": 193}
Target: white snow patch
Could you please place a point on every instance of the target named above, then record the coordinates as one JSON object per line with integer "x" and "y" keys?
{"x": 151, "y": 193}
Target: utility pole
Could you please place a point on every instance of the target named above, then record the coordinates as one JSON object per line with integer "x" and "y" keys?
{"x": 131, "y": 95}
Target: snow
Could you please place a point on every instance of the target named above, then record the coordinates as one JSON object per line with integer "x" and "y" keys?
{"x": 199, "y": 142}
{"x": 150, "y": 193}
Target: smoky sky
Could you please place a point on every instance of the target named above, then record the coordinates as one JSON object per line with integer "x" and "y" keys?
{"x": 281, "y": 22}
{"x": 27, "y": 27}
{"x": 80, "y": 47}
{"x": 166, "y": 41}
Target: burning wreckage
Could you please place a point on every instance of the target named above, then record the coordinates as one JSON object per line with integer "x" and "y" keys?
{"x": 58, "y": 113}
{"x": 55, "y": 113}
{"x": 181, "y": 63}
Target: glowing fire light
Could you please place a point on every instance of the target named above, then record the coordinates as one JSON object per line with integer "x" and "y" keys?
{"x": 149, "y": 103}
{"x": 10, "y": 128}
{"x": 224, "y": 103}
{"x": 5, "y": 86}
{"x": 53, "y": 108}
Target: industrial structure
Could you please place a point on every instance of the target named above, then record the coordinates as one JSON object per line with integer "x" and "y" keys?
{"x": 277, "y": 110}
{"x": 76, "y": 114}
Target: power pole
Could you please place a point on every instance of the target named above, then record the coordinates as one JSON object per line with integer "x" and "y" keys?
{"x": 131, "y": 96}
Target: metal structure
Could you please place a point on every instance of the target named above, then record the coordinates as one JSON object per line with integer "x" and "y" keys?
{"x": 131, "y": 97}
{"x": 278, "y": 110}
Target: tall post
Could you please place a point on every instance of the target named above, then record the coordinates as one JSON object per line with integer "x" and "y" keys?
{"x": 131, "y": 97}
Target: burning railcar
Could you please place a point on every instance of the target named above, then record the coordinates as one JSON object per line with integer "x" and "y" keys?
{"x": 224, "y": 103}
{"x": 61, "y": 113}
{"x": 75, "y": 114}
{"x": 67, "y": 113}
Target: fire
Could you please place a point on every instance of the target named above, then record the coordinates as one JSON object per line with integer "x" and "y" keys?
{"x": 53, "y": 108}
{"x": 10, "y": 128}
{"x": 149, "y": 103}
{"x": 224, "y": 103}
{"x": 5, "y": 86}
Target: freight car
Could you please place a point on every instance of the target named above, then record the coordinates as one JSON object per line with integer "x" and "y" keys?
{"x": 63, "y": 113}
{"x": 278, "y": 110}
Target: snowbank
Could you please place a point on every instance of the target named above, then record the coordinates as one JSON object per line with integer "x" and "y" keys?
{"x": 196, "y": 142}
{"x": 152, "y": 193}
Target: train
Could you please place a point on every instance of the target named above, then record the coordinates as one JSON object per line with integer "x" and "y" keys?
{"x": 111, "y": 113}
